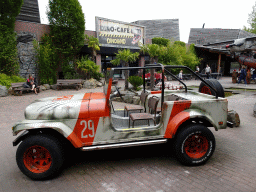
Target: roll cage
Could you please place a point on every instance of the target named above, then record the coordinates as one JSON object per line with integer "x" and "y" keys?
{"x": 164, "y": 69}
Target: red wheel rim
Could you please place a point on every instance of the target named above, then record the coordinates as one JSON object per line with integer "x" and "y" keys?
{"x": 37, "y": 159}
{"x": 206, "y": 90}
{"x": 196, "y": 146}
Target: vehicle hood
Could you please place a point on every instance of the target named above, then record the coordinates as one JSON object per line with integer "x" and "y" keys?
{"x": 67, "y": 107}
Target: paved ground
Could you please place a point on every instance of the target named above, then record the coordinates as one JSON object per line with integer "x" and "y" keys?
{"x": 153, "y": 168}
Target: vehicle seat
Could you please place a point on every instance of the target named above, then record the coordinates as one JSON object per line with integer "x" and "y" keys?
{"x": 152, "y": 104}
{"x": 140, "y": 108}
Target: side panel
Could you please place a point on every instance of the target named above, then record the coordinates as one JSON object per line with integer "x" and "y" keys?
{"x": 88, "y": 120}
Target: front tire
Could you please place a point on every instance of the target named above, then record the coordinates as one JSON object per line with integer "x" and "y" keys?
{"x": 40, "y": 157}
{"x": 194, "y": 145}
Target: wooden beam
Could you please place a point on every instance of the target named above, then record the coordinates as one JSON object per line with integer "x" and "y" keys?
{"x": 219, "y": 60}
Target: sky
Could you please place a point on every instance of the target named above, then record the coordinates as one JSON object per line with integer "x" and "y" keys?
{"x": 225, "y": 14}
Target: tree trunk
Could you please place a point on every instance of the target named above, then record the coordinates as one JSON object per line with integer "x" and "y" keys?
{"x": 152, "y": 74}
{"x": 126, "y": 75}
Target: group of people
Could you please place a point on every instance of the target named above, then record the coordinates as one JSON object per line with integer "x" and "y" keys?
{"x": 208, "y": 72}
{"x": 246, "y": 75}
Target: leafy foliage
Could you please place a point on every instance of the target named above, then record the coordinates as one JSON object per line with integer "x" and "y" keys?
{"x": 89, "y": 67}
{"x": 154, "y": 51}
{"x": 126, "y": 56}
{"x": 67, "y": 30}
{"x": 136, "y": 81}
{"x": 94, "y": 44}
{"x": 9, "y": 9}
{"x": 8, "y": 52}
{"x": 6, "y": 80}
{"x": 46, "y": 59}
{"x": 251, "y": 21}
{"x": 160, "y": 41}
{"x": 178, "y": 54}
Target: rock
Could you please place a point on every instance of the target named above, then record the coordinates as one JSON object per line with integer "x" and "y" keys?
{"x": 128, "y": 97}
{"x": 254, "y": 110}
{"x": 3, "y": 91}
{"x": 89, "y": 84}
{"x": 54, "y": 87}
{"x": 42, "y": 88}
{"x": 10, "y": 91}
{"x": 136, "y": 100}
{"x": 99, "y": 84}
{"x": 47, "y": 86}
{"x": 234, "y": 118}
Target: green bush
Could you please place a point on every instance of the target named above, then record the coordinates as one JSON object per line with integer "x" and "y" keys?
{"x": 89, "y": 68}
{"x": 6, "y": 80}
{"x": 72, "y": 75}
{"x": 136, "y": 81}
{"x": 46, "y": 60}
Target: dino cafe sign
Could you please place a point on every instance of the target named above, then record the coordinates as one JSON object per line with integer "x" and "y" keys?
{"x": 119, "y": 34}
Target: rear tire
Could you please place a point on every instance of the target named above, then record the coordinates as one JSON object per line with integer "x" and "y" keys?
{"x": 40, "y": 157}
{"x": 203, "y": 88}
{"x": 194, "y": 145}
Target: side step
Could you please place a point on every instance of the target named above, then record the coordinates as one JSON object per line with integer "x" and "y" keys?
{"x": 119, "y": 145}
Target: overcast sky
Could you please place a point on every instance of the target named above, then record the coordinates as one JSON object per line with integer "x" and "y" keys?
{"x": 225, "y": 14}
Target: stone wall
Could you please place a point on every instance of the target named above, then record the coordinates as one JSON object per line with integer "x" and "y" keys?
{"x": 26, "y": 54}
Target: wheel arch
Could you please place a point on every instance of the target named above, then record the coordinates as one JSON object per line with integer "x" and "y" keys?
{"x": 46, "y": 131}
{"x": 181, "y": 120}
{"x": 196, "y": 120}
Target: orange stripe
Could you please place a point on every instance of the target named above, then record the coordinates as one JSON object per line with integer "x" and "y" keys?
{"x": 76, "y": 142}
{"x": 93, "y": 106}
{"x": 177, "y": 117}
{"x": 156, "y": 92}
{"x": 109, "y": 88}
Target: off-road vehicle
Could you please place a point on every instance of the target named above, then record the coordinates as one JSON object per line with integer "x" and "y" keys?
{"x": 89, "y": 122}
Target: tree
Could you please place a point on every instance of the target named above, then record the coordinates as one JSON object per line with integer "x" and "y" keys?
{"x": 9, "y": 10}
{"x": 251, "y": 21}
{"x": 177, "y": 53}
{"x": 94, "y": 44}
{"x": 161, "y": 41}
{"x": 46, "y": 60}
{"x": 67, "y": 26}
{"x": 154, "y": 52}
{"x": 127, "y": 57}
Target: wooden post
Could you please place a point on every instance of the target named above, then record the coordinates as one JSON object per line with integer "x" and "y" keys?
{"x": 98, "y": 60}
{"x": 219, "y": 60}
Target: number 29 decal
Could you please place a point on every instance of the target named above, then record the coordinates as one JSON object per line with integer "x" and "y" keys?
{"x": 89, "y": 126}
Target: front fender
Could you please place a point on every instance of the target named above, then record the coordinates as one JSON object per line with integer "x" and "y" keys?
{"x": 60, "y": 127}
{"x": 184, "y": 116}
{"x": 39, "y": 124}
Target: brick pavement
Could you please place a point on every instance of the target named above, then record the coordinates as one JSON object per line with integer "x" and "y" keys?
{"x": 149, "y": 168}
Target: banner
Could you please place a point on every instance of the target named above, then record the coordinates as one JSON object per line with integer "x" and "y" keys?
{"x": 117, "y": 34}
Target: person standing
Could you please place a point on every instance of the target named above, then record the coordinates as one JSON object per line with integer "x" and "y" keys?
{"x": 208, "y": 71}
{"x": 242, "y": 75}
{"x": 253, "y": 74}
{"x": 197, "y": 71}
{"x": 180, "y": 75}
